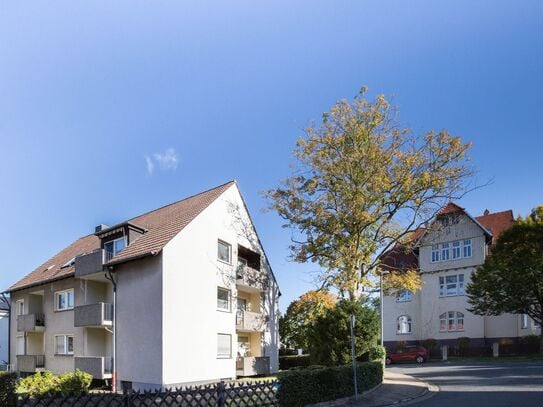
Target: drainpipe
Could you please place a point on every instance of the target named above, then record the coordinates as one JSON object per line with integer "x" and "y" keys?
{"x": 109, "y": 276}
{"x": 9, "y": 327}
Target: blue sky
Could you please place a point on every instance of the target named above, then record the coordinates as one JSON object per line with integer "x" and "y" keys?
{"x": 93, "y": 94}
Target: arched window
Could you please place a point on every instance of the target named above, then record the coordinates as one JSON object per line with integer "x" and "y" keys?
{"x": 404, "y": 324}
{"x": 451, "y": 321}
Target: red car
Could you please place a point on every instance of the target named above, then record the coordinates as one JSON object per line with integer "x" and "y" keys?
{"x": 417, "y": 354}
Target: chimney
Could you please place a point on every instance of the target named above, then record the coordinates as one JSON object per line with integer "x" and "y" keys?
{"x": 100, "y": 227}
{"x": 486, "y": 212}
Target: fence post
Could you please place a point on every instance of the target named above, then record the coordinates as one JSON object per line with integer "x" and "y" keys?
{"x": 221, "y": 393}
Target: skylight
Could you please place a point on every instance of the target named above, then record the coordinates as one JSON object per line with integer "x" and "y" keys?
{"x": 68, "y": 263}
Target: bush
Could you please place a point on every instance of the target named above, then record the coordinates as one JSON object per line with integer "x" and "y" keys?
{"x": 331, "y": 335}
{"x": 74, "y": 383}
{"x": 288, "y": 362}
{"x": 529, "y": 344}
{"x": 431, "y": 345}
{"x": 40, "y": 384}
{"x": 8, "y": 385}
{"x": 463, "y": 345}
{"x": 300, "y": 387}
{"x": 377, "y": 352}
{"x": 400, "y": 345}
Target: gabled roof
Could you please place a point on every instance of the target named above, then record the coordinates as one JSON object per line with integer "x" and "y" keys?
{"x": 451, "y": 207}
{"x": 162, "y": 225}
{"x": 496, "y": 222}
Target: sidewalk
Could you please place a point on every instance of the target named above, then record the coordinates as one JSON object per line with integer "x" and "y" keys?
{"x": 397, "y": 389}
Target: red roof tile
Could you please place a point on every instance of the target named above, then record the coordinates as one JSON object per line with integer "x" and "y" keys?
{"x": 162, "y": 225}
{"x": 451, "y": 207}
{"x": 497, "y": 222}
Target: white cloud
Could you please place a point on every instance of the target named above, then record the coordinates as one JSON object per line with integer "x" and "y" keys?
{"x": 168, "y": 160}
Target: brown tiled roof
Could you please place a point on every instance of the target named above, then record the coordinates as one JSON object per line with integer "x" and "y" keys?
{"x": 497, "y": 222}
{"x": 162, "y": 225}
{"x": 402, "y": 257}
{"x": 451, "y": 207}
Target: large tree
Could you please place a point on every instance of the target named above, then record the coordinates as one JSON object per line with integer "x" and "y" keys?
{"x": 362, "y": 184}
{"x": 511, "y": 279}
{"x": 295, "y": 325}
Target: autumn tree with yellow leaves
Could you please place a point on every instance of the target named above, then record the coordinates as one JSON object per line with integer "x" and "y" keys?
{"x": 361, "y": 185}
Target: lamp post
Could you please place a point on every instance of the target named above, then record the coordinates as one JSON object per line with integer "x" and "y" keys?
{"x": 353, "y": 321}
{"x": 381, "y": 305}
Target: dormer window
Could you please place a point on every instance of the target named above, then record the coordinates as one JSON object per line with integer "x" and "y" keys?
{"x": 113, "y": 247}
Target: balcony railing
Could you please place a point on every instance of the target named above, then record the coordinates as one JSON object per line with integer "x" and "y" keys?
{"x": 29, "y": 363}
{"x": 253, "y": 366}
{"x": 98, "y": 314}
{"x": 250, "y": 321}
{"x": 30, "y": 323}
{"x": 252, "y": 278}
{"x": 90, "y": 263}
{"x": 100, "y": 367}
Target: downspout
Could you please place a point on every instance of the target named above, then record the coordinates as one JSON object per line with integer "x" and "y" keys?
{"x": 9, "y": 327}
{"x": 109, "y": 276}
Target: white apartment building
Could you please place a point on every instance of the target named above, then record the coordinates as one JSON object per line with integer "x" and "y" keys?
{"x": 180, "y": 295}
{"x": 446, "y": 254}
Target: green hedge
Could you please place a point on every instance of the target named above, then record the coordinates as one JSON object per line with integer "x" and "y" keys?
{"x": 8, "y": 383}
{"x": 40, "y": 384}
{"x": 300, "y": 387}
{"x": 288, "y": 362}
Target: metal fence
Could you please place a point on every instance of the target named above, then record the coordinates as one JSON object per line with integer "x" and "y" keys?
{"x": 236, "y": 394}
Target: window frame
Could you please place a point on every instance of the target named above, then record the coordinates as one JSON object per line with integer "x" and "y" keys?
{"x": 404, "y": 297}
{"x": 66, "y": 344}
{"x": 229, "y": 246}
{"x": 114, "y": 242}
{"x": 445, "y": 250}
{"x": 446, "y": 318}
{"x": 524, "y": 321}
{"x": 20, "y": 304}
{"x": 467, "y": 246}
{"x": 408, "y": 323}
{"x": 446, "y": 280}
{"x": 229, "y": 300}
{"x": 435, "y": 254}
{"x": 224, "y": 355}
{"x": 456, "y": 250}
{"x": 61, "y": 292}
{"x": 17, "y": 338}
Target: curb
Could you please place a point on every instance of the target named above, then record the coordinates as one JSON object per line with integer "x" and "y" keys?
{"x": 431, "y": 391}
{"x": 346, "y": 400}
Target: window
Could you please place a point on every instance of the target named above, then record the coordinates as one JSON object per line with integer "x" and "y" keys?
{"x": 445, "y": 251}
{"x": 404, "y": 324}
{"x": 244, "y": 346}
{"x": 451, "y": 285}
{"x": 223, "y": 299}
{"x": 435, "y": 253}
{"x": 451, "y": 321}
{"x": 404, "y": 296}
{"x": 242, "y": 304}
{"x": 20, "y": 307}
{"x": 64, "y": 345}
{"x": 467, "y": 248}
{"x": 20, "y": 349}
{"x": 524, "y": 321}
{"x": 113, "y": 247}
{"x": 224, "y": 251}
{"x": 456, "y": 250}
{"x": 224, "y": 346}
{"x": 64, "y": 300}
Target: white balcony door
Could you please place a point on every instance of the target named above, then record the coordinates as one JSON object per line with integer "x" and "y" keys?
{"x": 243, "y": 346}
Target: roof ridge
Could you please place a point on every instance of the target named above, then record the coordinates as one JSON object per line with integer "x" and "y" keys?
{"x": 181, "y": 200}
{"x": 495, "y": 213}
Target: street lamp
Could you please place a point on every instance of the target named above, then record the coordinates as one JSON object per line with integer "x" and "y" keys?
{"x": 381, "y": 305}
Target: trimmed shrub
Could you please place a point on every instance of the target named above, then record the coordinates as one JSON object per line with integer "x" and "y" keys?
{"x": 288, "y": 362}
{"x": 74, "y": 383}
{"x": 8, "y": 385}
{"x": 38, "y": 384}
{"x": 300, "y": 387}
{"x": 377, "y": 353}
{"x": 463, "y": 345}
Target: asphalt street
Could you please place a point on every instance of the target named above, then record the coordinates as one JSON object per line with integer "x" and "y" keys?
{"x": 465, "y": 384}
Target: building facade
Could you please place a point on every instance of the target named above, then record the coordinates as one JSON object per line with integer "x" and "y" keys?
{"x": 446, "y": 254}
{"x": 180, "y": 295}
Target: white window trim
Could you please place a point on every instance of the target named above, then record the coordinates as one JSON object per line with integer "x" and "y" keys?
{"x": 229, "y": 309}
{"x": 17, "y": 345}
{"x": 470, "y": 248}
{"x": 438, "y": 250}
{"x": 409, "y": 325}
{"x": 17, "y": 303}
{"x": 459, "y": 291}
{"x": 58, "y": 293}
{"x": 446, "y": 319}
{"x": 66, "y": 352}
{"x": 224, "y": 356}
{"x": 229, "y": 251}
{"x": 409, "y": 298}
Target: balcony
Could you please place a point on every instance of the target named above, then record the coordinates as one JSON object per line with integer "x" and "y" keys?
{"x": 31, "y": 323}
{"x": 253, "y": 366}
{"x": 100, "y": 367}
{"x": 250, "y": 321}
{"x": 250, "y": 278}
{"x": 90, "y": 263}
{"x": 30, "y": 363}
{"x": 99, "y": 314}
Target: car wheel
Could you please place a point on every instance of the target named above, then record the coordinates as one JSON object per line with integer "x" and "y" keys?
{"x": 419, "y": 359}
{"x": 388, "y": 361}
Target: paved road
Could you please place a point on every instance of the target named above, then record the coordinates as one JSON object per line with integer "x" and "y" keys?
{"x": 481, "y": 384}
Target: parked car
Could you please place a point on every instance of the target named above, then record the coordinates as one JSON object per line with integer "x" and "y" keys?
{"x": 417, "y": 354}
